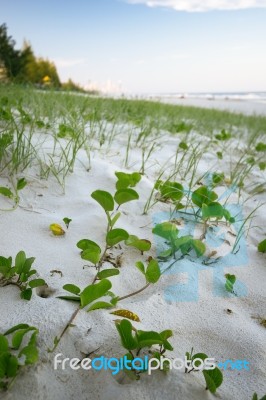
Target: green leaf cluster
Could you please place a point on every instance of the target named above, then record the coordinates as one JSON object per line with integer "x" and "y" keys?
{"x": 152, "y": 272}
{"x": 93, "y": 292}
{"x": 19, "y": 274}
{"x": 184, "y": 244}
{"x": 133, "y": 339}
{"x": 22, "y": 351}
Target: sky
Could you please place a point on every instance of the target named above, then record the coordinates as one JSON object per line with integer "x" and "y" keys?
{"x": 147, "y": 46}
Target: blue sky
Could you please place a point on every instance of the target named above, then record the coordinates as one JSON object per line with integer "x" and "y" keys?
{"x": 142, "y": 46}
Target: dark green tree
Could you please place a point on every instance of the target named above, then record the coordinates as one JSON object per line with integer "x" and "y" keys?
{"x": 9, "y": 56}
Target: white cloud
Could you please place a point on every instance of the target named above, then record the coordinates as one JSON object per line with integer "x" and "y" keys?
{"x": 65, "y": 63}
{"x": 200, "y": 6}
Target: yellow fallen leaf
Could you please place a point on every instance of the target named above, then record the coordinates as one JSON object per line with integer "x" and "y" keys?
{"x": 127, "y": 314}
{"x": 57, "y": 229}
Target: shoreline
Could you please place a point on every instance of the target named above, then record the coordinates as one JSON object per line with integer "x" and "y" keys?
{"x": 247, "y": 107}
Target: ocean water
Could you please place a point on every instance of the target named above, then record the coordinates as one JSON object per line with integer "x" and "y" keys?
{"x": 236, "y": 96}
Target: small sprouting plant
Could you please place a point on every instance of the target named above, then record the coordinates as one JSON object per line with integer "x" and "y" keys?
{"x": 137, "y": 342}
{"x": 170, "y": 190}
{"x": 205, "y": 199}
{"x": 223, "y": 135}
{"x": 91, "y": 251}
{"x": 213, "y": 377}
{"x": 20, "y": 274}
{"x": 173, "y": 191}
{"x": 184, "y": 244}
{"x": 67, "y": 221}
{"x": 229, "y": 283}
{"x": 125, "y": 180}
{"x": 13, "y": 195}
{"x": 20, "y": 352}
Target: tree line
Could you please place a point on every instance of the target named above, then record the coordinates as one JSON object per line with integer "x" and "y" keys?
{"x": 22, "y": 66}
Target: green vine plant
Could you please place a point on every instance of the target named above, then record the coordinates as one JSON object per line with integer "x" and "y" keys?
{"x": 95, "y": 291}
{"x": 13, "y": 195}
{"x": 138, "y": 343}
{"x": 213, "y": 377}
{"x": 19, "y": 274}
{"x": 204, "y": 198}
{"x": 177, "y": 244}
{"x": 91, "y": 251}
{"x": 204, "y": 205}
{"x": 17, "y": 353}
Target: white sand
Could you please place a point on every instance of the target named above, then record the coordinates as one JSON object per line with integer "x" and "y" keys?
{"x": 203, "y": 324}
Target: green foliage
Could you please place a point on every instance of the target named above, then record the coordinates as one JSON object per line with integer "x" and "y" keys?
{"x": 14, "y": 195}
{"x": 170, "y": 190}
{"x": 204, "y": 198}
{"x": 223, "y": 136}
{"x": 91, "y": 251}
{"x": 106, "y": 273}
{"x": 213, "y": 378}
{"x": 217, "y": 178}
{"x": 184, "y": 244}
{"x": 91, "y": 293}
{"x": 229, "y": 283}
{"x": 255, "y": 397}
{"x": 125, "y": 180}
{"x": 22, "y": 65}
{"x": 212, "y": 210}
{"x": 152, "y": 272}
{"x": 262, "y": 246}
{"x": 135, "y": 341}
{"x": 260, "y": 147}
{"x": 140, "y": 244}
{"x": 125, "y": 195}
{"x": 67, "y": 221}
{"x": 22, "y": 351}
{"x": 19, "y": 274}
{"x": 115, "y": 236}
{"x": 11, "y": 58}
{"x": 105, "y": 199}
{"x": 203, "y": 195}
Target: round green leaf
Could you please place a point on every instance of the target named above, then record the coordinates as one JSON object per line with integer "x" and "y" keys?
{"x": 153, "y": 272}
{"x": 203, "y": 195}
{"x": 106, "y": 273}
{"x": 100, "y": 304}
{"x": 36, "y": 283}
{"x": 94, "y": 292}
{"x": 115, "y": 236}
{"x": 71, "y": 288}
{"x": 212, "y": 210}
{"x": 213, "y": 378}
{"x": 125, "y": 195}
{"x": 105, "y": 199}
